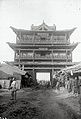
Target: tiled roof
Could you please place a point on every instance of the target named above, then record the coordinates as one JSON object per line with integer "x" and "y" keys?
{"x": 43, "y": 27}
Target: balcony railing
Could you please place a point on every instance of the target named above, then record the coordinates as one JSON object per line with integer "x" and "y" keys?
{"x": 44, "y": 57}
{"x": 39, "y": 41}
{"x": 59, "y": 57}
{"x": 43, "y": 63}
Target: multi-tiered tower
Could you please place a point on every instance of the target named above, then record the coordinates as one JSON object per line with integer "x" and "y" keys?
{"x": 43, "y": 49}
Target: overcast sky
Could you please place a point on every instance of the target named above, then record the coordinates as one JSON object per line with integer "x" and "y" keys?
{"x": 65, "y": 14}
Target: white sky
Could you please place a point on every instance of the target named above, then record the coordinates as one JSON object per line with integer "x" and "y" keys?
{"x": 65, "y": 14}
{"x": 43, "y": 76}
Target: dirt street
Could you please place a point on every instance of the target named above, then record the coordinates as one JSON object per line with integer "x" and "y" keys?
{"x": 32, "y": 104}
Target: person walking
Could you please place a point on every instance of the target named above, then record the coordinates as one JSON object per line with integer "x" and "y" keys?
{"x": 13, "y": 89}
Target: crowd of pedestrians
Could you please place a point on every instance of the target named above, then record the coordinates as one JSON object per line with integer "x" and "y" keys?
{"x": 72, "y": 83}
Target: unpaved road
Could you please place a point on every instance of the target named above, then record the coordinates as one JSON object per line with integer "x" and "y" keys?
{"x": 32, "y": 104}
{"x": 53, "y": 108}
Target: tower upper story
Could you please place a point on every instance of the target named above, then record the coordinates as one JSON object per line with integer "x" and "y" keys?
{"x": 43, "y": 34}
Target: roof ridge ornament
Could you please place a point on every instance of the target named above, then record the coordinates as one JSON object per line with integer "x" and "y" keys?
{"x": 43, "y": 22}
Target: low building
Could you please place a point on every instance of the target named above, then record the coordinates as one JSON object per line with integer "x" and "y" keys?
{"x": 7, "y": 72}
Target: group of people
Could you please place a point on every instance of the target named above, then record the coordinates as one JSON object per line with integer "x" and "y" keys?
{"x": 72, "y": 84}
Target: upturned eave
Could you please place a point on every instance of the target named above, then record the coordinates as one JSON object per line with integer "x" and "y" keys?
{"x": 30, "y": 32}
{"x": 70, "y": 46}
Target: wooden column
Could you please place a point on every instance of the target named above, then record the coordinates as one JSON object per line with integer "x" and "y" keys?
{"x": 52, "y": 45}
{"x": 52, "y": 77}
{"x": 52, "y": 55}
{"x": 69, "y": 38}
{"x": 66, "y": 57}
{"x": 33, "y": 65}
{"x": 33, "y": 55}
{"x": 33, "y": 38}
{"x": 33, "y": 73}
{"x": 52, "y": 63}
{"x": 52, "y": 60}
{"x": 19, "y": 58}
{"x": 52, "y": 69}
{"x": 14, "y": 55}
{"x": 71, "y": 55}
{"x": 52, "y": 39}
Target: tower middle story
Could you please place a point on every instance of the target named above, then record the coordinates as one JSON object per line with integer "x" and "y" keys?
{"x": 42, "y": 49}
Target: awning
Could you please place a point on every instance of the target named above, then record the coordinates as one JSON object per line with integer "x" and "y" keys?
{"x": 74, "y": 68}
{"x": 8, "y": 69}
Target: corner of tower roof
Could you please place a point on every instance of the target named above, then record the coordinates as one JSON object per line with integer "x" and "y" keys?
{"x": 74, "y": 28}
{"x": 12, "y": 28}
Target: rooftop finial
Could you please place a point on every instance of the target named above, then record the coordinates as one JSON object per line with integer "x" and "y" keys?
{"x": 43, "y": 21}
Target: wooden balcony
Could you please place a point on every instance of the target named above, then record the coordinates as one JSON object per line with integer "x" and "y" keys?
{"x": 27, "y": 57}
{"x": 46, "y": 57}
{"x": 51, "y": 41}
{"x": 43, "y": 63}
{"x": 53, "y": 57}
{"x": 43, "y": 57}
{"x": 59, "y": 57}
